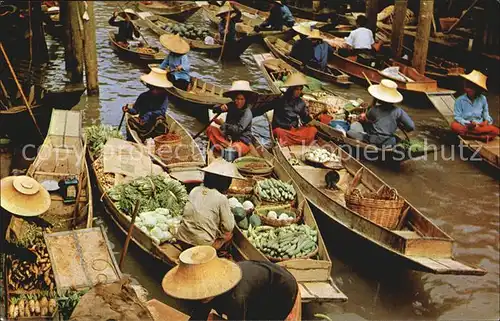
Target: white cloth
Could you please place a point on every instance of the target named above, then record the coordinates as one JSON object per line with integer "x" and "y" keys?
{"x": 361, "y": 38}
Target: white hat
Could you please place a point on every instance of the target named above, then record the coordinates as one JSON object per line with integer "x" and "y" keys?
{"x": 302, "y": 29}
{"x": 223, "y": 168}
{"x": 387, "y": 91}
{"x": 225, "y": 9}
{"x": 243, "y": 87}
{"x": 477, "y": 78}
{"x": 24, "y": 196}
{"x": 295, "y": 79}
{"x": 157, "y": 77}
{"x": 315, "y": 34}
{"x": 174, "y": 43}
{"x": 129, "y": 12}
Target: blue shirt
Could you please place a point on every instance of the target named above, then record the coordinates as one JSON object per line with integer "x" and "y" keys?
{"x": 467, "y": 111}
{"x": 150, "y": 105}
{"x": 321, "y": 52}
{"x": 172, "y": 61}
{"x": 282, "y": 16}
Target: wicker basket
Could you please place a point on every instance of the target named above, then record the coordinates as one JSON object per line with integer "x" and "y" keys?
{"x": 166, "y": 140}
{"x": 241, "y": 187}
{"x": 383, "y": 207}
{"x": 262, "y": 211}
{"x": 308, "y": 256}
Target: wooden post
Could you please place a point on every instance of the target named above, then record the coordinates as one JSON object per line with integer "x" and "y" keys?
{"x": 398, "y": 24}
{"x": 371, "y": 14}
{"x": 421, "y": 45}
{"x": 75, "y": 41}
{"x": 316, "y": 5}
{"x": 90, "y": 51}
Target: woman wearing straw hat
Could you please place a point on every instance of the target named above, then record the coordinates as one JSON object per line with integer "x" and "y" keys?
{"x": 177, "y": 61}
{"x": 126, "y": 28}
{"x": 302, "y": 49}
{"x": 207, "y": 217}
{"x": 321, "y": 51}
{"x": 279, "y": 17}
{"x": 23, "y": 197}
{"x": 236, "y": 131}
{"x": 151, "y": 106}
{"x": 472, "y": 118}
{"x": 378, "y": 126}
{"x": 247, "y": 290}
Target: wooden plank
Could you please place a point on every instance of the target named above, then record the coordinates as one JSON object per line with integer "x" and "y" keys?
{"x": 320, "y": 291}
{"x": 459, "y": 266}
{"x": 428, "y": 247}
{"x": 445, "y": 105}
{"x": 309, "y": 275}
{"x": 164, "y": 312}
{"x": 432, "y": 265}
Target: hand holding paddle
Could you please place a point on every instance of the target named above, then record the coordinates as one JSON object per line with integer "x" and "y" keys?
{"x": 209, "y": 123}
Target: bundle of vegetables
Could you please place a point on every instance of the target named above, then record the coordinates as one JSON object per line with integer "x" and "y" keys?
{"x": 68, "y": 302}
{"x": 413, "y": 145}
{"x": 187, "y": 30}
{"x": 146, "y": 50}
{"x": 98, "y": 135}
{"x": 107, "y": 180}
{"x": 28, "y": 276}
{"x": 32, "y": 305}
{"x": 154, "y": 191}
{"x": 273, "y": 190}
{"x": 243, "y": 213}
{"x": 159, "y": 224}
{"x": 320, "y": 155}
{"x": 287, "y": 242}
{"x": 31, "y": 234}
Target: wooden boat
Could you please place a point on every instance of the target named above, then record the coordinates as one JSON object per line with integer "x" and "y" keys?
{"x": 185, "y": 167}
{"x": 310, "y": 14}
{"x": 282, "y": 49}
{"x": 179, "y": 11}
{"x": 313, "y": 275}
{"x": 488, "y": 151}
{"x": 416, "y": 243}
{"x": 147, "y": 57}
{"x": 157, "y": 24}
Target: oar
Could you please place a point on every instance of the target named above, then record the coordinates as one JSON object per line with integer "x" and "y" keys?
{"x": 225, "y": 35}
{"x": 121, "y": 121}
{"x": 368, "y": 80}
{"x": 129, "y": 234}
{"x": 135, "y": 27}
{"x": 209, "y": 123}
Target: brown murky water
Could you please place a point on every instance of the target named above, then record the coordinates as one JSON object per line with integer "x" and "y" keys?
{"x": 458, "y": 196}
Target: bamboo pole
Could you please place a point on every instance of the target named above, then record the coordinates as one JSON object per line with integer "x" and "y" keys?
{"x": 90, "y": 51}
{"x": 26, "y": 102}
{"x": 75, "y": 41}
{"x": 421, "y": 44}
{"x": 226, "y": 29}
{"x": 371, "y": 14}
{"x": 129, "y": 234}
{"x": 398, "y": 24}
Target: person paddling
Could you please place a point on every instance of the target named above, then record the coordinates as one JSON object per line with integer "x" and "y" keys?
{"x": 279, "y": 17}
{"x": 177, "y": 61}
{"x": 126, "y": 29}
{"x": 302, "y": 49}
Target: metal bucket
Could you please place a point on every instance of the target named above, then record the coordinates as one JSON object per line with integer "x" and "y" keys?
{"x": 229, "y": 154}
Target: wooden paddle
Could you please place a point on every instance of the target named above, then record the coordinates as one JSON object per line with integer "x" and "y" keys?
{"x": 225, "y": 35}
{"x": 129, "y": 234}
{"x": 135, "y": 27}
{"x": 209, "y": 123}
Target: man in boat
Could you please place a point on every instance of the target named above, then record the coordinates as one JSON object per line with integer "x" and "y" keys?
{"x": 279, "y": 17}
{"x": 321, "y": 51}
{"x": 236, "y": 131}
{"x": 177, "y": 61}
{"x": 207, "y": 217}
{"x": 247, "y": 290}
{"x": 22, "y": 197}
{"x": 302, "y": 49}
{"x": 290, "y": 114}
{"x": 378, "y": 126}
{"x": 126, "y": 28}
{"x": 471, "y": 115}
{"x": 359, "y": 40}
{"x": 151, "y": 106}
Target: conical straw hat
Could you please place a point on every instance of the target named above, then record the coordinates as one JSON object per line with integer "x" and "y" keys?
{"x": 223, "y": 168}
{"x": 201, "y": 275}
{"x": 24, "y": 196}
{"x": 295, "y": 79}
{"x": 131, "y": 13}
{"x": 315, "y": 34}
{"x": 241, "y": 86}
{"x": 157, "y": 77}
{"x": 387, "y": 91}
{"x": 302, "y": 29}
{"x": 477, "y": 78}
{"x": 225, "y": 9}
{"x": 174, "y": 43}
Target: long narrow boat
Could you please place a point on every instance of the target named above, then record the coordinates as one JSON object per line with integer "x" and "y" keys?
{"x": 416, "y": 243}
{"x": 314, "y": 275}
{"x": 311, "y": 14}
{"x": 187, "y": 160}
{"x": 148, "y": 54}
{"x": 489, "y": 151}
{"x": 282, "y": 49}
{"x": 177, "y": 11}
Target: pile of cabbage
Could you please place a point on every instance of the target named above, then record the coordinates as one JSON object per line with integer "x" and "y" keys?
{"x": 159, "y": 224}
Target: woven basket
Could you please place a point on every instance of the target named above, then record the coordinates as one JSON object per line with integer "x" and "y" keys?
{"x": 263, "y": 210}
{"x": 239, "y": 186}
{"x": 164, "y": 140}
{"x": 308, "y": 256}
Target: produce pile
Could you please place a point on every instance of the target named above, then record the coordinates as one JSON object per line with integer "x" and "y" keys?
{"x": 159, "y": 224}
{"x": 280, "y": 215}
{"x": 107, "y": 179}
{"x": 243, "y": 213}
{"x": 276, "y": 191}
{"x": 146, "y": 50}
{"x": 288, "y": 242}
{"x": 153, "y": 191}
{"x": 187, "y": 30}
{"x": 32, "y": 305}
{"x": 98, "y": 135}
{"x": 68, "y": 302}
{"x": 28, "y": 276}
{"x": 413, "y": 145}
{"x": 321, "y": 155}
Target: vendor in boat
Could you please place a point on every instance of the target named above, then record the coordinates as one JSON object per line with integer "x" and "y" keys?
{"x": 379, "y": 124}
{"x": 471, "y": 116}
{"x": 177, "y": 61}
{"x": 359, "y": 40}
{"x": 247, "y": 290}
{"x": 236, "y": 131}
{"x": 207, "y": 217}
{"x": 302, "y": 49}
{"x": 321, "y": 51}
{"x": 279, "y": 17}
{"x": 151, "y": 106}
{"x": 22, "y": 197}
{"x": 126, "y": 28}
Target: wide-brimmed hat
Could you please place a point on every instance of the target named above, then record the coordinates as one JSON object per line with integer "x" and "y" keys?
{"x": 278, "y": 2}
{"x": 174, "y": 43}
{"x": 129, "y": 12}
{"x": 157, "y": 77}
{"x": 295, "y": 79}
{"x": 477, "y": 78}
{"x": 201, "y": 275}
{"x": 302, "y": 29}
{"x": 223, "y": 168}
{"x": 386, "y": 91}
{"x": 225, "y": 9}
{"x": 241, "y": 87}
{"x": 315, "y": 34}
{"x": 24, "y": 196}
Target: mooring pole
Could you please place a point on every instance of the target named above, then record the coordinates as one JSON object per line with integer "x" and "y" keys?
{"x": 421, "y": 45}
{"x": 371, "y": 14}
{"x": 90, "y": 51}
{"x": 398, "y": 24}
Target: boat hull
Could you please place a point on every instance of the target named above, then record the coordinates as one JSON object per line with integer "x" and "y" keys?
{"x": 124, "y": 53}
{"x": 178, "y": 13}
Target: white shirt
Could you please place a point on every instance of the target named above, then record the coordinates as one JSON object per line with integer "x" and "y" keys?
{"x": 361, "y": 38}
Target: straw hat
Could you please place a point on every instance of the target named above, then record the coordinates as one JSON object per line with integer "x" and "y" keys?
{"x": 387, "y": 91}
{"x": 225, "y": 9}
{"x": 157, "y": 77}
{"x": 296, "y": 79}
{"x": 477, "y": 78}
{"x": 200, "y": 275}
{"x": 223, "y": 168}
{"x": 315, "y": 34}
{"x": 174, "y": 43}
{"x": 278, "y": 2}
{"x": 302, "y": 29}
{"x": 131, "y": 13}
{"x": 24, "y": 196}
{"x": 241, "y": 86}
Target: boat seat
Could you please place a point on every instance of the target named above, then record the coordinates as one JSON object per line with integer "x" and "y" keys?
{"x": 407, "y": 235}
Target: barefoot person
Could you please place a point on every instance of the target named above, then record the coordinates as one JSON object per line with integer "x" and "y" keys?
{"x": 177, "y": 61}
{"x": 248, "y": 290}
{"x": 472, "y": 118}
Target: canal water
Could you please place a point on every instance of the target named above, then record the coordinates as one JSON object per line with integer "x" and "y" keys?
{"x": 460, "y": 197}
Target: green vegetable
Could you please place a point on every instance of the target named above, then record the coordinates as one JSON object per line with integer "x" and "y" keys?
{"x": 98, "y": 135}
{"x": 243, "y": 224}
{"x": 239, "y": 214}
{"x": 276, "y": 191}
{"x": 254, "y": 220}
